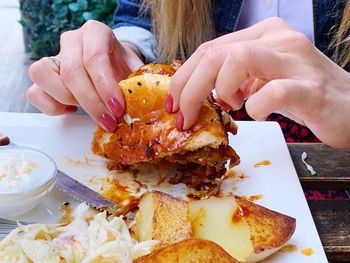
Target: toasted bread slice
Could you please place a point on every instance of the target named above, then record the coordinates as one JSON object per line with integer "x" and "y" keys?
{"x": 247, "y": 231}
{"x": 268, "y": 229}
{"x": 189, "y": 251}
{"x": 162, "y": 217}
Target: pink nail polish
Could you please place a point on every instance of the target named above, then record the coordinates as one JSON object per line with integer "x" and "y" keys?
{"x": 179, "y": 121}
{"x": 115, "y": 107}
{"x": 71, "y": 108}
{"x": 4, "y": 140}
{"x": 108, "y": 122}
{"x": 169, "y": 104}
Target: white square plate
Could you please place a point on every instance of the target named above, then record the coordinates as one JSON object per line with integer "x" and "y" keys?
{"x": 255, "y": 142}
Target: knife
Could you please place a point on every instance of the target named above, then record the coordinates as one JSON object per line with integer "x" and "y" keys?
{"x": 75, "y": 189}
{"x": 83, "y": 193}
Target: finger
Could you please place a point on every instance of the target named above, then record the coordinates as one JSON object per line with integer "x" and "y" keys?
{"x": 183, "y": 74}
{"x": 255, "y": 32}
{"x": 228, "y": 67}
{"x": 46, "y": 103}
{"x": 223, "y": 105}
{"x": 104, "y": 63}
{"x": 44, "y": 74}
{"x": 285, "y": 96}
{"x": 252, "y": 85}
{"x": 199, "y": 86}
{"x": 75, "y": 77}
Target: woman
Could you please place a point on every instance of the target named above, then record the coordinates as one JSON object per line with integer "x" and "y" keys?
{"x": 270, "y": 65}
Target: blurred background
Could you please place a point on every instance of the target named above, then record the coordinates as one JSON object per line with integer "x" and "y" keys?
{"x": 29, "y": 30}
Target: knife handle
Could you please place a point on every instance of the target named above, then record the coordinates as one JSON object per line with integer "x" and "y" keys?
{"x": 4, "y": 140}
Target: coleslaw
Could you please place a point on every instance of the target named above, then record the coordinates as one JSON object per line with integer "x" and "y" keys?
{"x": 87, "y": 239}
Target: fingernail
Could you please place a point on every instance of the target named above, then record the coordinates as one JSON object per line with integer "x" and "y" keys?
{"x": 169, "y": 104}
{"x": 179, "y": 121}
{"x": 4, "y": 140}
{"x": 108, "y": 122}
{"x": 115, "y": 107}
{"x": 71, "y": 108}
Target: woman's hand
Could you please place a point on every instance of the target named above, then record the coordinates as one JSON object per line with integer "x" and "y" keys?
{"x": 274, "y": 69}
{"x": 88, "y": 68}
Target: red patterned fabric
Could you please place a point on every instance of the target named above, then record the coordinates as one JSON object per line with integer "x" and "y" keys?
{"x": 292, "y": 131}
{"x": 317, "y": 195}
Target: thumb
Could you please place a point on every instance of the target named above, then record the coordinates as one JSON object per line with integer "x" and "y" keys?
{"x": 288, "y": 97}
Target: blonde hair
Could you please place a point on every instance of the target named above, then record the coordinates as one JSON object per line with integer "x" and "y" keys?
{"x": 341, "y": 40}
{"x": 180, "y": 26}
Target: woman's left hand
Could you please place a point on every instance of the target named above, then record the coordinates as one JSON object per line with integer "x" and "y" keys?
{"x": 273, "y": 68}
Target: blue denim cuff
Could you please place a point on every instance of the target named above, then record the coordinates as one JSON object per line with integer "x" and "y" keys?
{"x": 128, "y": 13}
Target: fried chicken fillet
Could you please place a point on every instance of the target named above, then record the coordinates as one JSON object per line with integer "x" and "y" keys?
{"x": 147, "y": 133}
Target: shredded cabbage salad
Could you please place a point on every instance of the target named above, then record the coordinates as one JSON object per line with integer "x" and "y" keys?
{"x": 86, "y": 239}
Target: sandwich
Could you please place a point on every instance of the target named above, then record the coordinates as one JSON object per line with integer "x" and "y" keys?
{"x": 146, "y": 134}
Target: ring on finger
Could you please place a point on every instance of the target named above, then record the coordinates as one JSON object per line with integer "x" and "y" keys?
{"x": 55, "y": 61}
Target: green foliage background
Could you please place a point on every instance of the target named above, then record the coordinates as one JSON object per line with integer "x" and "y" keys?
{"x": 45, "y": 20}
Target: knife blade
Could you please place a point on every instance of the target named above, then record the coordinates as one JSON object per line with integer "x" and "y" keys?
{"x": 83, "y": 193}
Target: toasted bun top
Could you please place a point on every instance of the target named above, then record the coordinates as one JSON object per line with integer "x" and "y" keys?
{"x": 147, "y": 132}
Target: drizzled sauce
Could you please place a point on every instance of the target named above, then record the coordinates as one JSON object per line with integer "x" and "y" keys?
{"x": 230, "y": 173}
{"x": 289, "y": 248}
{"x": 262, "y": 163}
{"x": 119, "y": 194}
{"x": 239, "y": 213}
{"x": 242, "y": 176}
{"x": 67, "y": 217}
{"x": 307, "y": 252}
{"x": 257, "y": 197}
{"x": 155, "y": 69}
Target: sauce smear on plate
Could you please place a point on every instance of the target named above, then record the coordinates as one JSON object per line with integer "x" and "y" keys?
{"x": 262, "y": 163}
{"x": 307, "y": 252}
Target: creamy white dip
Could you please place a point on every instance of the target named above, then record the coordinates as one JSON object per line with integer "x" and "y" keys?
{"x": 23, "y": 170}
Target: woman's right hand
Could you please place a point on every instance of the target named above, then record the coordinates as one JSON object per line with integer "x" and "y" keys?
{"x": 91, "y": 63}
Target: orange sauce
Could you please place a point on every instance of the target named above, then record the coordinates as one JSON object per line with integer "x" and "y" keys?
{"x": 161, "y": 179}
{"x": 67, "y": 217}
{"x": 242, "y": 176}
{"x": 154, "y": 68}
{"x": 257, "y": 197}
{"x": 197, "y": 219}
{"x": 230, "y": 173}
{"x": 240, "y": 212}
{"x": 289, "y": 248}
{"x": 307, "y": 252}
{"x": 262, "y": 163}
{"x": 120, "y": 195}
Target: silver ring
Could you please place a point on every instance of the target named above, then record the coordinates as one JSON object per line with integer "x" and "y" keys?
{"x": 55, "y": 61}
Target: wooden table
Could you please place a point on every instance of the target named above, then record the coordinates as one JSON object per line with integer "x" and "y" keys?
{"x": 332, "y": 217}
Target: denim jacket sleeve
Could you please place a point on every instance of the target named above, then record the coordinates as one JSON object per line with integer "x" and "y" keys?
{"x": 128, "y": 14}
{"x": 135, "y": 28}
